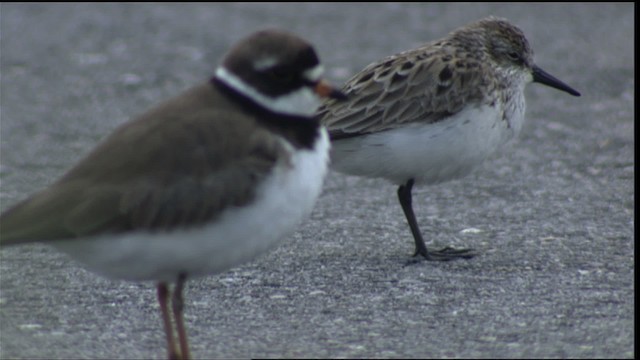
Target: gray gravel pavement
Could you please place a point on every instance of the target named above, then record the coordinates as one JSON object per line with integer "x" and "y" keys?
{"x": 552, "y": 216}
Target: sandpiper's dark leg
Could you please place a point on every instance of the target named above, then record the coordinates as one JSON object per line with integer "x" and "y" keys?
{"x": 163, "y": 297}
{"x": 178, "y": 306}
{"x": 448, "y": 253}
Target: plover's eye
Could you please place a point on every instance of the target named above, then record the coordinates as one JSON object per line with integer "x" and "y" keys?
{"x": 281, "y": 75}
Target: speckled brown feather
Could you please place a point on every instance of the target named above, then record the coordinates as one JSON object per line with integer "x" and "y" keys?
{"x": 426, "y": 84}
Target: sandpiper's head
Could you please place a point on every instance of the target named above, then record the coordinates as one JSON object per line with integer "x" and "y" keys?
{"x": 509, "y": 49}
{"x": 278, "y": 71}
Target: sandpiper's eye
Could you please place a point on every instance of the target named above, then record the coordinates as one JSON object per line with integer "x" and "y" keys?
{"x": 514, "y": 56}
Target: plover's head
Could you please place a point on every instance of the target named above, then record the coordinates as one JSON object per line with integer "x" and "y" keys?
{"x": 278, "y": 71}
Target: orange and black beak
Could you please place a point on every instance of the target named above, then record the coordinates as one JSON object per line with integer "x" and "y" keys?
{"x": 325, "y": 90}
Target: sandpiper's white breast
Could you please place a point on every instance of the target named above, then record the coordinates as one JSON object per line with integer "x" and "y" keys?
{"x": 430, "y": 153}
{"x": 240, "y": 234}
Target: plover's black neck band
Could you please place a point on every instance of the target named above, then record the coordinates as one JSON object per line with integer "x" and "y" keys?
{"x": 301, "y": 131}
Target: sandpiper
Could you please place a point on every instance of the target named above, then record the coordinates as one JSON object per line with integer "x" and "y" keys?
{"x": 202, "y": 182}
{"x": 435, "y": 113}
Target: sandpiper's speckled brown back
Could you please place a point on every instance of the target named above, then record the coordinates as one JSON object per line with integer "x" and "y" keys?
{"x": 432, "y": 82}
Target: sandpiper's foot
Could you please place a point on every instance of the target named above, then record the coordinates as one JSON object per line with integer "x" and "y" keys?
{"x": 446, "y": 254}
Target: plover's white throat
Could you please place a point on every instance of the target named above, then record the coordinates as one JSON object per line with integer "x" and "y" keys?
{"x": 436, "y": 112}
{"x": 200, "y": 183}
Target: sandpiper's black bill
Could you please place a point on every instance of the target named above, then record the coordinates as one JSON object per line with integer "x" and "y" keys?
{"x": 544, "y": 77}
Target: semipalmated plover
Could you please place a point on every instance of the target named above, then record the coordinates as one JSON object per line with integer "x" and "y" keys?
{"x": 202, "y": 182}
{"x": 436, "y": 112}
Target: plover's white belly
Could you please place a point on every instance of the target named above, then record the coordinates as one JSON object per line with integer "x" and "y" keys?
{"x": 428, "y": 153}
{"x": 284, "y": 199}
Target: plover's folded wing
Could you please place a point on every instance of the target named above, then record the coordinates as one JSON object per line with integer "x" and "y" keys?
{"x": 133, "y": 189}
